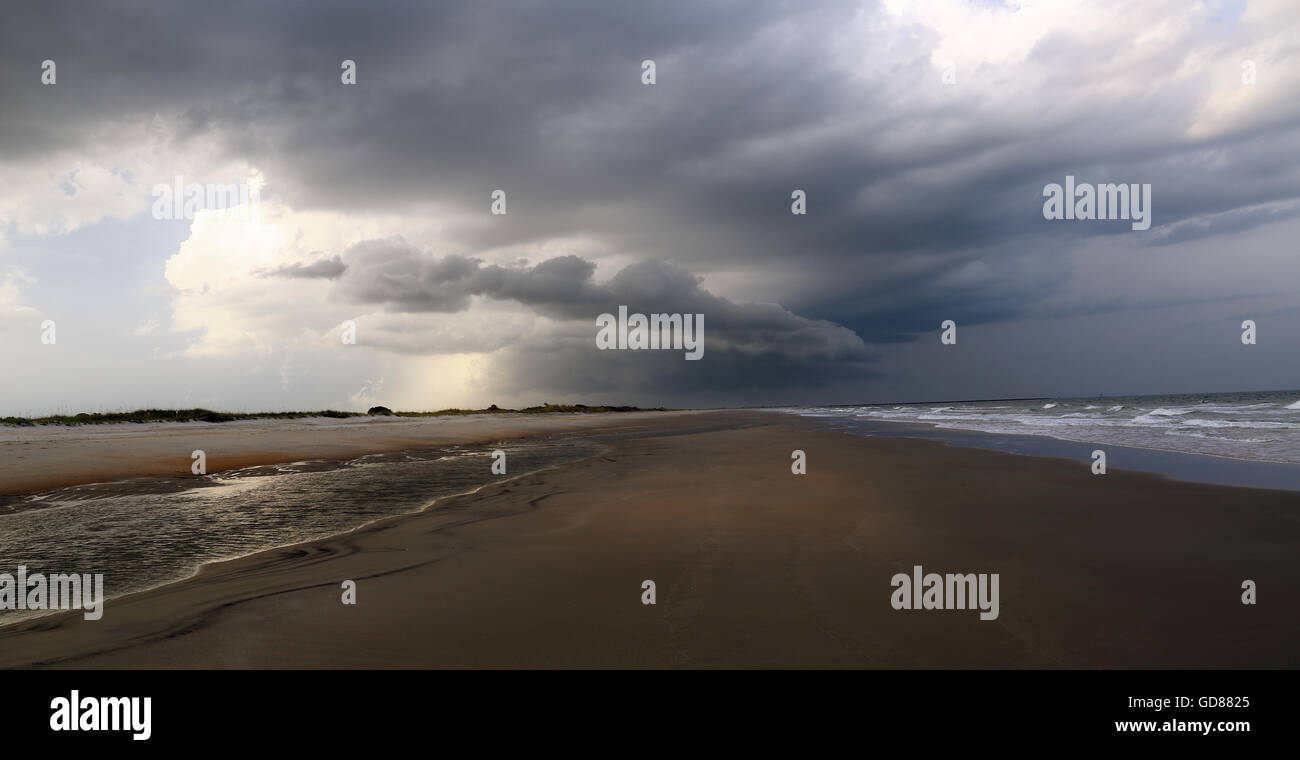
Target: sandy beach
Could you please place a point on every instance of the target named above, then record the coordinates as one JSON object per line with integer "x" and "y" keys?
{"x": 42, "y": 457}
{"x": 753, "y": 566}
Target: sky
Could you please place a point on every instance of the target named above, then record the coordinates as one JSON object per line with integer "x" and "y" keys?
{"x": 921, "y": 134}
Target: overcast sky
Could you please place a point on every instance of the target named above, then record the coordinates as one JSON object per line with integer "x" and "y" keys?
{"x": 923, "y": 134}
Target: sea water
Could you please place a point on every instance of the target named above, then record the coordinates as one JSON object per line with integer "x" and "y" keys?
{"x": 1231, "y": 438}
{"x": 144, "y": 532}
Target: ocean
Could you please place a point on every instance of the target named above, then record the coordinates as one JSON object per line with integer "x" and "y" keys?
{"x": 1229, "y": 438}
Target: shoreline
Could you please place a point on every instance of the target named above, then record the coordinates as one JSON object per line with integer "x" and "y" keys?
{"x": 202, "y": 567}
{"x": 71, "y": 458}
{"x": 1176, "y": 465}
{"x": 756, "y": 568}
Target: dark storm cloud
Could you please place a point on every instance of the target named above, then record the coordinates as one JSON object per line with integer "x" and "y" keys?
{"x": 544, "y": 100}
{"x": 1237, "y": 220}
{"x": 325, "y": 269}
{"x": 570, "y": 370}
{"x": 924, "y": 203}
{"x": 400, "y": 278}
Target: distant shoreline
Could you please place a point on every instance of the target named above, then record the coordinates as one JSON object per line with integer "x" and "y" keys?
{"x": 208, "y": 415}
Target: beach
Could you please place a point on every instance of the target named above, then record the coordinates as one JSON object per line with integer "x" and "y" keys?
{"x": 38, "y": 458}
{"x": 753, "y": 566}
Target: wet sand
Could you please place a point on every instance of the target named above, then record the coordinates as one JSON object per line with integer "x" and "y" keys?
{"x": 754, "y": 567}
{"x": 43, "y": 457}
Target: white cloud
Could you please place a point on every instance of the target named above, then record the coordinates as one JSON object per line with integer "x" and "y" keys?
{"x": 110, "y": 176}
{"x": 12, "y": 283}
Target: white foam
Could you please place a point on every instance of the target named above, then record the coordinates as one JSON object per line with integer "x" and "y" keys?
{"x": 1260, "y": 431}
{"x": 1254, "y": 425}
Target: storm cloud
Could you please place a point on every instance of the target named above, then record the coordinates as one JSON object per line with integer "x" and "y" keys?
{"x": 921, "y": 133}
{"x": 401, "y": 278}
